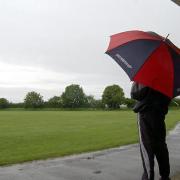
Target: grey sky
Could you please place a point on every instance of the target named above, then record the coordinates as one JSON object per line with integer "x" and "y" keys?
{"x": 46, "y": 45}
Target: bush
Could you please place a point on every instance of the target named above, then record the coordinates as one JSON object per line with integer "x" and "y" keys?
{"x": 129, "y": 102}
{"x": 54, "y": 102}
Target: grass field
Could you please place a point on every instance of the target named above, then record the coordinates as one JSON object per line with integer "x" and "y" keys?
{"x": 32, "y": 135}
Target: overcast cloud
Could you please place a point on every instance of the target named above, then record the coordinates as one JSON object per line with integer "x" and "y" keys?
{"x": 46, "y": 45}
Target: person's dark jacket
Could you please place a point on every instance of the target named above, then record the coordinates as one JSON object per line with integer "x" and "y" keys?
{"x": 147, "y": 98}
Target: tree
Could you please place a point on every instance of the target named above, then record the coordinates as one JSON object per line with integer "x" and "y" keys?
{"x": 55, "y": 102}
{"x": 3, "y": 103}
{"x": 113, "y": 96}
{"x": 33, "y": 100}
{"x": 73, "y": 97}
{"x": 129, "y": 102}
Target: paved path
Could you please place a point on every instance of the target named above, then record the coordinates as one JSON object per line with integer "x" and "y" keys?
{"x": 121, "y": 163}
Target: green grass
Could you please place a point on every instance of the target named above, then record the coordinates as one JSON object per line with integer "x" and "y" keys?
{"x": 32, "y": 135}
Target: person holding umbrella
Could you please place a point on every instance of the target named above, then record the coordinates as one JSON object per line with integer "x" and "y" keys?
{"x": 152, "y": 106}
{"x": 153, "y": 63}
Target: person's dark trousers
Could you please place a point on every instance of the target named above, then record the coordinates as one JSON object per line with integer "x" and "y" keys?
{"x": 152, "y": 137}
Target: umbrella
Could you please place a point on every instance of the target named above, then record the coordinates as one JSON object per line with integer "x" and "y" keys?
{"x": 149, "y": 59}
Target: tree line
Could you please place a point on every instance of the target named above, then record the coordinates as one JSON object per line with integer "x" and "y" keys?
{"x": 74, "y": 97}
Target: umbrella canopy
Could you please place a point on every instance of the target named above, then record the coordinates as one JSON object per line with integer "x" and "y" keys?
{"x": 149, "y": 59}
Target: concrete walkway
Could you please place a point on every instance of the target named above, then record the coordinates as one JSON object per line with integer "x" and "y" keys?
{"x": 121, "y": 163}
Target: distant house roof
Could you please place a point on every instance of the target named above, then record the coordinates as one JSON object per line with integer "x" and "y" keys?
{"x": 177, "y": 2}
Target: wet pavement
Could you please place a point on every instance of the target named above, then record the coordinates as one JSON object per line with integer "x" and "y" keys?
{"x": 121, "y": 163}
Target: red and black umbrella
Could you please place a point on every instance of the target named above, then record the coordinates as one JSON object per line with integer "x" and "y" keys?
{"x": 149, "y": 59}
